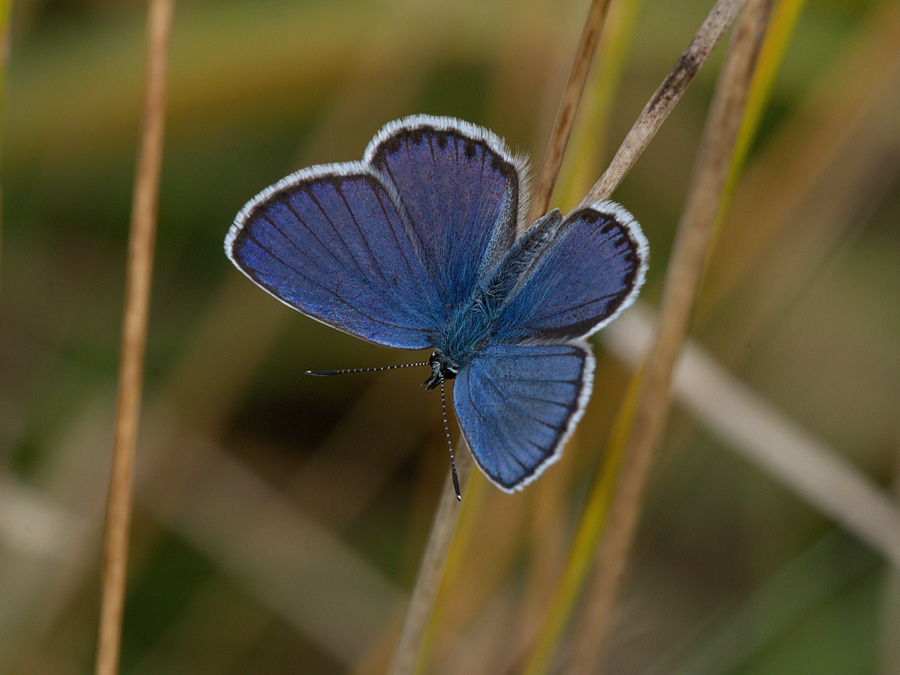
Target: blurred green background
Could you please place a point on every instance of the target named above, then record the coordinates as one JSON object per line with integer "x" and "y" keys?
{"x": 279, "y": 519}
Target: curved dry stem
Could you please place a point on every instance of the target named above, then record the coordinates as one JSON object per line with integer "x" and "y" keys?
{"x": 588, "y": 147}
{"x": 137, "y": 302}
{"x": 571, "y": 99}
{"x": 425, "y": 590}
{"x": 665, "y": 98}
{"x": 431, "y": 569}
{"x": 682, "y": 280}
{"x": 751, "y": 426}
{"x": 590, "y": 528}
{"x": 5, "y": 12}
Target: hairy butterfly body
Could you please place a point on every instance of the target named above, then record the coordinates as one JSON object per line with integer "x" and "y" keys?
{"x": 418, "y": 246}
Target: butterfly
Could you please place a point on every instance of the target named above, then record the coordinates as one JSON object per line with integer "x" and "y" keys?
{"x": 422, "y": 245}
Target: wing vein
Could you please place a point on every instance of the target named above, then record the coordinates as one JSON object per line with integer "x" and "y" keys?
{"x": 300, "y": 220}
{"x": 505, "y": 400}
{"x": 334, "y": 227}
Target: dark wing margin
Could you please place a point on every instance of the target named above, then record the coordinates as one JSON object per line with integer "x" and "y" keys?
{"x": 591, "y": 270}
{"x": 329, "y": 241}
{"x": 519, "y": 404}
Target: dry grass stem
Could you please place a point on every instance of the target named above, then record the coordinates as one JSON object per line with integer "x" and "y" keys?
{"x": 590, "y": 137}
{"x": 665, "y": 98}
{"x": 427, "y": 585}
{"x": 565, "y": 116}
{"x": 590, "y": 528}
{"x": 717, "y": 22}
{"x": 889, "y": 649}
{"x": 682, "y": 280}
{"x": 137, "y": 301}
{"x": 754, "y": 428}
{"x": 5, "y": 13}
{"x": 431, "y": 570}
{"x": 831, "y": 121}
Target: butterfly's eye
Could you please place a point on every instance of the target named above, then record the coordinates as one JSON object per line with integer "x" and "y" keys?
{"x": 442, "y": 366}
{"x": 449, "y": 368}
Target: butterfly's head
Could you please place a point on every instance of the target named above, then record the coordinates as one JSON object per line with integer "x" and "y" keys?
{"x": 442, "y": 368}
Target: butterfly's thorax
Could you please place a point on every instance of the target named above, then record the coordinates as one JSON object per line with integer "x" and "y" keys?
{"x": 468, "y": 328}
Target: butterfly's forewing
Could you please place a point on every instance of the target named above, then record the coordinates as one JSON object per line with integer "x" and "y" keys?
{"x": 460, "y": 191}
{"x": 330, "y": 242}
{"x": 517, "y": 405}
{"x": 590, "y": 270}
{"x": 387, "y": 248}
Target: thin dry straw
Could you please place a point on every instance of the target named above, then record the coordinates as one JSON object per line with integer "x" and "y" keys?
{"x": 694, "y": 236}
{"x": 425, "y": 590}
{"x": 751, "y": 426}
{"x": 565, "y": 116}
{"x": 431, "y": 570}
{"x": 665, "y": 98}
{"x": 137, "y": 300}
{"x": 654, "y": 113}
{"x": 591, "y": 135}
{"x": 5, "y": 13}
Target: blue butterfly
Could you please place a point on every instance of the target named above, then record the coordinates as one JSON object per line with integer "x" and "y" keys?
{"x": 418, "y": 246}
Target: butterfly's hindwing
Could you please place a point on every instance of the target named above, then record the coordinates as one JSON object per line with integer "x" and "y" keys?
{"x": 517, "y": 405}
{"x": 590, "y": 272}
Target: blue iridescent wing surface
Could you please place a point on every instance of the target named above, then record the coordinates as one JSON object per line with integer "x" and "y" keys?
{"x": 460, "y": 191}
{"x": 387, "y": 248}
{"x": 578, "y": 274}
{"x": 330, "y": 242}
{"x": 518, "y": 404}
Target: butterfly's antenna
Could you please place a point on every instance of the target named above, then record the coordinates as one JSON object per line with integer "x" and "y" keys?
{"x": 362, "y": 370}
{"x": 449, "y": 444}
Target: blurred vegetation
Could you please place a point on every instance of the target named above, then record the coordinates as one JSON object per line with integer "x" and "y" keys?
{"x": 279, "y": 519}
